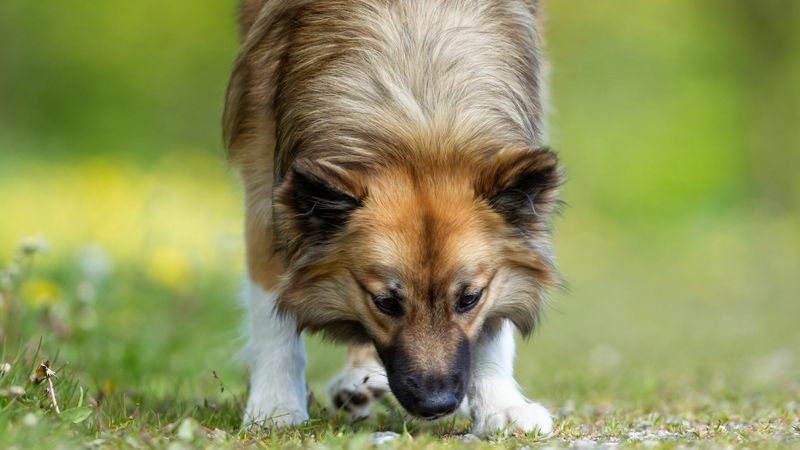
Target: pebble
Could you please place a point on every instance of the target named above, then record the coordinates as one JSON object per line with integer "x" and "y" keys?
{"x": 584, "y": 444}
{"x": 382, "y": 437}
{"x": 30, "y": 419}
{"x": 469, "y": 438}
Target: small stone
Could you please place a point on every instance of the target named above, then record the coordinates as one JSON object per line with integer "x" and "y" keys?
{"x": 30, "y": 420}
{"x": 584, "y": 444}
{"x": 188, "y": 429}
{"x": 16, "y": 391}
{"x": 382, "y": 437}
{"x": 13, "y": 391}
{"x": 469, "y": 438}
{"x": 218, "y": 435}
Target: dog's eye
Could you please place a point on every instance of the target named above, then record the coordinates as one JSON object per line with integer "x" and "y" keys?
{"x": 388, "y": 305}
{"x": 468, "y": 300}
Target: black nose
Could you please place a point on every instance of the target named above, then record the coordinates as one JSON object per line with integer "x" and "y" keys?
{"x": 431, "y": 397}
{"x": 426, "y": 387}
{"x": 437, "y": 404}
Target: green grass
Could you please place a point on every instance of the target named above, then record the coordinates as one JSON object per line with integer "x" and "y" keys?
{"x": 671, "y": 334}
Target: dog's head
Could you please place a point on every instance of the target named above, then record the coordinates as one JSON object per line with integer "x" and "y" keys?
{"x": 420, "y": 260}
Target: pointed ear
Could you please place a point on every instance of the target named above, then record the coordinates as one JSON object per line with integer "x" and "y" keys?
{"x": 522, "y": 186}
{"x": 315, "y": 201}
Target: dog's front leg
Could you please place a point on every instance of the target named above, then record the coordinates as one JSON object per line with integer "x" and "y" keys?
{"x": 277, "y": 365}
{"x": 495, "y": 401}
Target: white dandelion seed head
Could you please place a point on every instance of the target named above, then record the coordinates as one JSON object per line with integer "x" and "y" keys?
{"x": 34, "y": 244}
{"x": 95, "y": 262}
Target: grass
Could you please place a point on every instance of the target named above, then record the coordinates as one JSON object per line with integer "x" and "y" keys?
{"x": 674, "y": 332}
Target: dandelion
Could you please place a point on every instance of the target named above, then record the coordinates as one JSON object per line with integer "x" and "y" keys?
{"x": 7, "y": 276}
{"x": 13, "y": 270}
{"x": 170, "y": 267}
{"x": 95, "y": 262}
{"x": 41, "y": 293}
{"x": 86, "y": 292}
{"x": 34, "y": 244}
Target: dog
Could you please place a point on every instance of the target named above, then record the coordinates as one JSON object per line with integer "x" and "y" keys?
{"x": 398, "y": 198}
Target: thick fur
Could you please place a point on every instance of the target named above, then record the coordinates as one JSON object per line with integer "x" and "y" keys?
{"x": 391, "y": 155}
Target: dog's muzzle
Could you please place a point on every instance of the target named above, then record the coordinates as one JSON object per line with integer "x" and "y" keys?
{"x": 428, "y": 394}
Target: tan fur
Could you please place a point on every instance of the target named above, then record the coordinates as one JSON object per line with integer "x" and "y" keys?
{"x": 423, "y": 112}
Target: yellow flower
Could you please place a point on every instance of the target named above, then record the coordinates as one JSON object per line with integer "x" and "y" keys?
{"x": 169, "y": 267}
{"x": 39, "y": 292}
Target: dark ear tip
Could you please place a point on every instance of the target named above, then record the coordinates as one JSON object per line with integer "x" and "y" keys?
{"x": 549, "y": 161}
{"x": 525, "y": 329}
{"x": 541, "y": 160}
{"x": 547, "y": 157}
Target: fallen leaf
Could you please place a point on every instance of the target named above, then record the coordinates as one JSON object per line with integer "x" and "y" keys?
{"x": 77, "y": 415}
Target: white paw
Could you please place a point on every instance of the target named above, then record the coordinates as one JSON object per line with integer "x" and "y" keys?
{"x": 355, "y": 389}
{"x": 525, "y": 418}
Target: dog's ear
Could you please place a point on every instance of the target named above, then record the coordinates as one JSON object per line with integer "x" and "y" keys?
{"x": 521, "y": 185}
{"x": 248, "y": 114}
{"x": 316, "y": 200}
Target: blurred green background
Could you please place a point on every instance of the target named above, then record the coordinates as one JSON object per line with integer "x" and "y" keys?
{"x": 677, "y": 121}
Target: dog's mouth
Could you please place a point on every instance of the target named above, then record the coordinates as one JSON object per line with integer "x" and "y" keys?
{"x": 436, "y": 417}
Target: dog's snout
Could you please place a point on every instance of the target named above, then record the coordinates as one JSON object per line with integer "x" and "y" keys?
{"x": 425, "y": 387}
{"x": 441, "y": 404}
